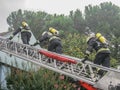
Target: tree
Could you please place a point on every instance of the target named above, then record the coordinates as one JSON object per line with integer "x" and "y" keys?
{"x": 79, "y": 22}
{"x": 14, "y": 19}
{"x": 103, "y": 18}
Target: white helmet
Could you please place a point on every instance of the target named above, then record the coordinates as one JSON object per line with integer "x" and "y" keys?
{"x": 90, "y": 35}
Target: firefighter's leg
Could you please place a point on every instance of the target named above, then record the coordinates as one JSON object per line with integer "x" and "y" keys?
{"x": 98, "y": 60}
{"x": 51, "y": 46}
{"x": 59, "y": 48}
{"x": 28, "y": 37}
{"x": 106, "y": 61}
{"x": 24, "y": 38}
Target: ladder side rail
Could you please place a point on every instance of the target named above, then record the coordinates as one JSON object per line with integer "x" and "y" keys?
{"x": 81, "y": 71}
{"x": 102, "y": 67}
{"x": 92, "y": 64}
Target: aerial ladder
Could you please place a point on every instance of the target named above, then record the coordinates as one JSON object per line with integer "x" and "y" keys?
{"x": 84, "y": 72}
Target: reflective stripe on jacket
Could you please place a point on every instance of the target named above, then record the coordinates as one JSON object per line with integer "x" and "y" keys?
{"x": 103, "y": 50}
{"x": 54, "y": 37}
{"x": 24, "y": 30}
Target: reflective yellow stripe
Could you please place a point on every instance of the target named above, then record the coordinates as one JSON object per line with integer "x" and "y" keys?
{"x": 103, "y": 49}
{"x": 23, "y": 30}
{"x": 54, "y": 37}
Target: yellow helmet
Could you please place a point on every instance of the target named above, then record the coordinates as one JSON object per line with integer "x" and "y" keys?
{"x": 24, "y": 24}
{"x": 53, "y": 31}
{"x": 50, "y": 28}
{"x": 98, "y": 35}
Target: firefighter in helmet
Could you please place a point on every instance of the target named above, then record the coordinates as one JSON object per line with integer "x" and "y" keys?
{"x": 98, "y": 43}
{"x": 54, "y": 40}
{"x": 25, "y": 33}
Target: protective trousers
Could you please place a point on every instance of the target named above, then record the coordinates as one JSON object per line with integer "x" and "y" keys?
{"x": 102, "y": 59}
{"x": 55, "y": 46}
{"x": 25, "y": 36}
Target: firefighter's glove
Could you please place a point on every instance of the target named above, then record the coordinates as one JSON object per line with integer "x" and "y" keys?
{"x": 36, "y": 43}
{"x": 87, "y": 53}
{"x": 10, "y": 38}
{"x": 85, "y": 58}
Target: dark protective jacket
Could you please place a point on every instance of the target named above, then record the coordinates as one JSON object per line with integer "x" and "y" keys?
{"x": 25, "y": 34}
{"x": 22, "y": 29}
{"x": 99, "y": 47}
{"x": 54, "y": 42}
{"x": 45, "y": 36}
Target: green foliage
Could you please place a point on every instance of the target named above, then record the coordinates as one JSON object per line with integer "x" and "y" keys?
{"x": 74, "y": 45}
{"x": 114, "y": 62}
{"x": 41, "y": 80}
{"x": 79, "y": 22}
{"x": 115, "y": 47}
{"x": 103, "y": 18}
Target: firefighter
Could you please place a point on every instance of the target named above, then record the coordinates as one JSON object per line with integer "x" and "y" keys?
{"x": 25, "y": 33}
{"x": 54, "y": 40}
{"x": 98, "y": 43}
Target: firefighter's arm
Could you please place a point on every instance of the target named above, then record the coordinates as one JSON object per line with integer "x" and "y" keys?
{"x": 17, "y": 31}
{"x": 36, "y": 43}
{"x": 88, "y": 52}
{"x": 44, "y": 37}
{"x": 11, "y": 37}
{"x": 86, "y": 57}
{"x": 14, "y": 33}
{"x": 91, "y": 45}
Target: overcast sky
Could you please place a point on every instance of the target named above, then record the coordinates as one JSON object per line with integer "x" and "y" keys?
{"x": 49, "y": 6}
